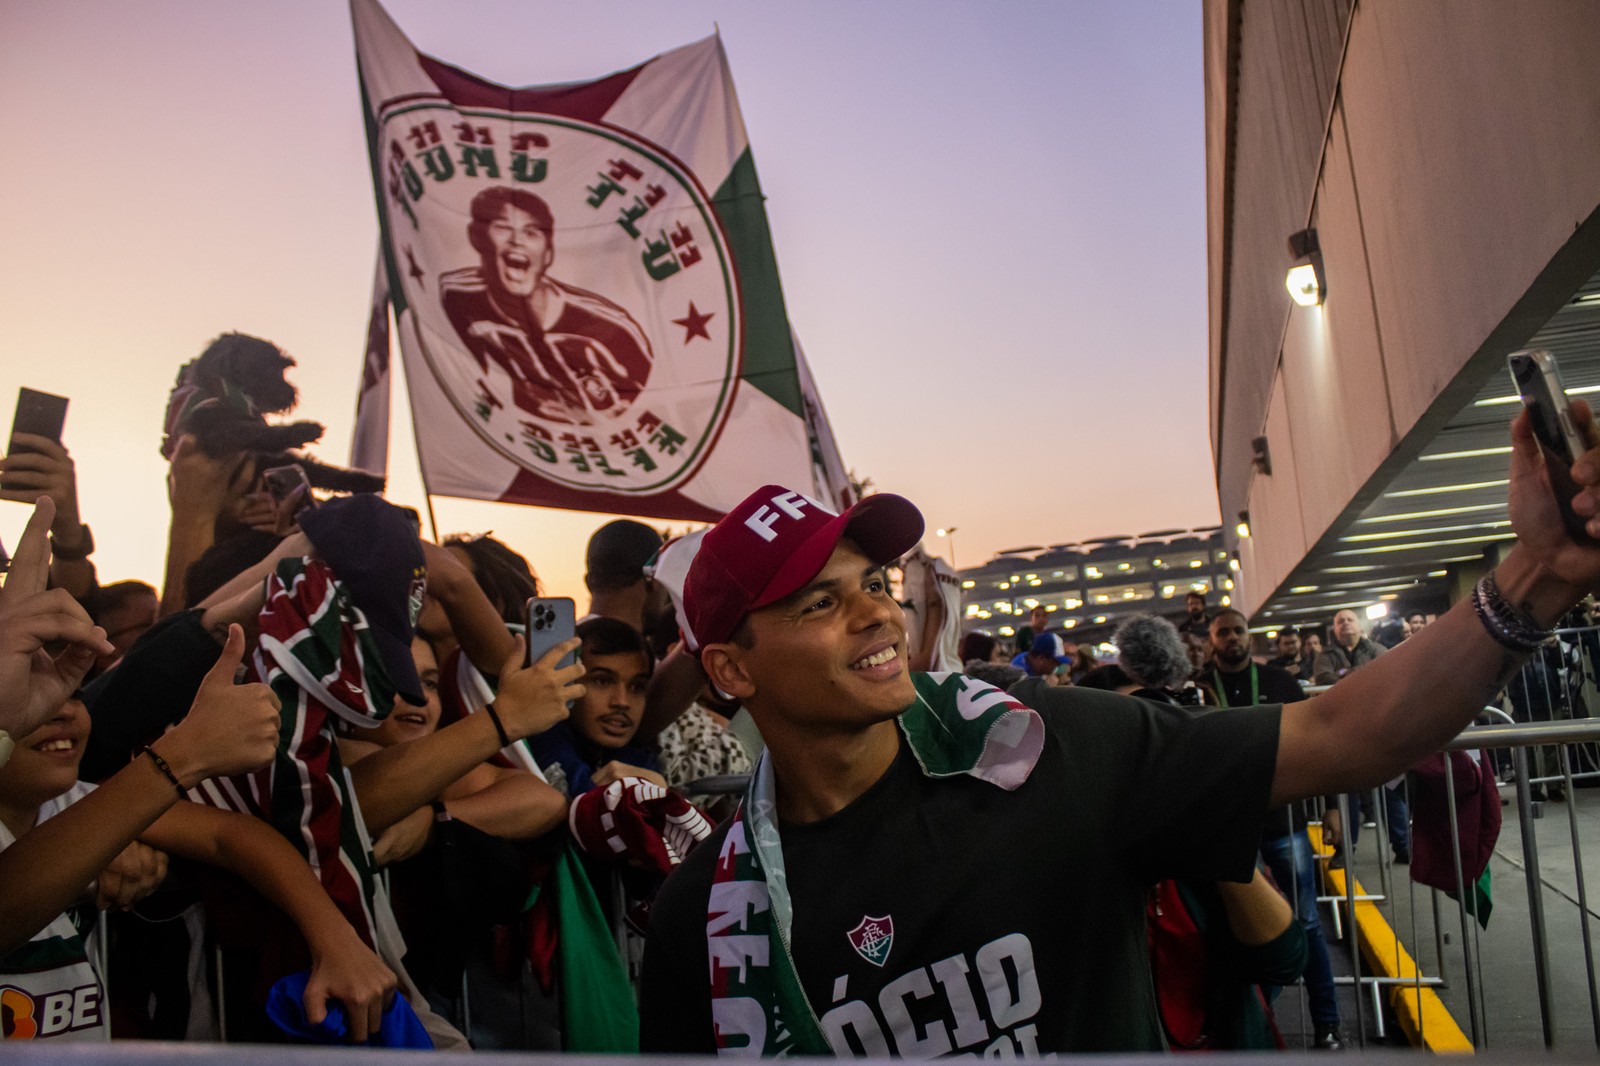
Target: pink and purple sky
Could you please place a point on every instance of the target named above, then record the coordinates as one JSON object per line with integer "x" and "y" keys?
{"x": 989, "y": 217}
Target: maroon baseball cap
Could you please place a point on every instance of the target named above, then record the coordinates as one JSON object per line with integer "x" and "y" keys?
{"x": 775, "y": 542}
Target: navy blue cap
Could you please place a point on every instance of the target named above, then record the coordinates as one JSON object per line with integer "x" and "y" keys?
{"x": 372, "y": 548}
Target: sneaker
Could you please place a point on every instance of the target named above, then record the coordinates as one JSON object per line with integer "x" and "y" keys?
{"x": 1328, "y": 1038}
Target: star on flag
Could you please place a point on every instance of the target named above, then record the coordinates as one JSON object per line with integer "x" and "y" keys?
{"x": 694, "y": 324}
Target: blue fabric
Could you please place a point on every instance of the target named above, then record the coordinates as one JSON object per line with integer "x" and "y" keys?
{"x": 1395, "y": 810}
{"x": 400, "y": 1027}
{"x": 560, "y": 745}
{"x": 1289, "y": 859}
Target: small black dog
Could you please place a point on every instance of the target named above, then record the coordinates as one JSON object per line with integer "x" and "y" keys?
{"x": 223, "y": 398}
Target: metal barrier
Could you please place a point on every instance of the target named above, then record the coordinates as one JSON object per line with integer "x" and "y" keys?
{"x": 1546, "y": 746}
{"x": 1557, "y": 724}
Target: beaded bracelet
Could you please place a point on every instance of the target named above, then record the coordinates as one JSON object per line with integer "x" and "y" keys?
{"x": 166, "y": 770}
{"x": 1507, "y": 624}
{"x": 499, "y": 727}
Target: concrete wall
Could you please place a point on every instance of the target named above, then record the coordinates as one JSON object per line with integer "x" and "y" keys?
{"x": 1462, "y": 155}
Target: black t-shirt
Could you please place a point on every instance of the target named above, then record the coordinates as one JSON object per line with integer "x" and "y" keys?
{"x": 1016, "y": 919}
{"x": 1276, "y": 685}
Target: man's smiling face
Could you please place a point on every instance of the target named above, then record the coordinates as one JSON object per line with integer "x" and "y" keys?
{"x": 832, "y": 655}
{"x": 519, "y": 251}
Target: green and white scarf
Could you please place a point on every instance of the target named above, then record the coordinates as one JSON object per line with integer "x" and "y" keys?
{"x": 957, "y": 725}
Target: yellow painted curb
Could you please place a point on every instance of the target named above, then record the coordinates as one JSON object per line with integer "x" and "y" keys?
{"x": 1420, "y": 1012}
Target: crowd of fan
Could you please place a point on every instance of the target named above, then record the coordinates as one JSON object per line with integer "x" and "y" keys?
{"x": 317, "y": 767}
{"x": 420, "y": 845}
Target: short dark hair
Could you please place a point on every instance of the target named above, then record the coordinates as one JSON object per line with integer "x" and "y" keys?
{"x": 618, "y": 553}
{"x": 610, "y": 636}
{"x": 1288, "y": 631}
{"x": 503, "y": 575}
{"x": 976, "y": 645}
{"x": 1226, "y": 611}
{"x": 109, "y": 597}
{"x": 488, "y": 204}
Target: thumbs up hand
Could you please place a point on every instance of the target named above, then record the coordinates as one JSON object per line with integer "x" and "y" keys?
{"x": 230, "y": 729}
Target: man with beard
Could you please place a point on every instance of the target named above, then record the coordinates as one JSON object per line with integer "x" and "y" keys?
{"x": 1292, "y": 657}
{"x": 1237, "y": 681}
{"x": 1197, "y": 626}
{"x": 1234, "y": 678}
{"x": 572, "y": 356}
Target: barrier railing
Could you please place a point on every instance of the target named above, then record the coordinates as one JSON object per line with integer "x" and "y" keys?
{"x": 1546, "y": 746}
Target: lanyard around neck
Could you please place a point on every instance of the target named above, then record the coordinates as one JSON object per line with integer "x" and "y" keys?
{"x": 1255, "y": 687}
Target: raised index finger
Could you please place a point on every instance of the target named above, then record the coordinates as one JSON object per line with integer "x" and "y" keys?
{"x": 30, "y": 566}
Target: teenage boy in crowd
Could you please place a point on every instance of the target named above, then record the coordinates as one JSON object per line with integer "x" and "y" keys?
{"x": 923, "y": 866}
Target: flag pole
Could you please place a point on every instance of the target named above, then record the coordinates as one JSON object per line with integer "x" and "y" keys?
{"x": 433, "y": 523}
{"x": 422, "y": 475}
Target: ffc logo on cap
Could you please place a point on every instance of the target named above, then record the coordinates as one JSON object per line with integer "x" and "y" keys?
{"x": 735, "y": 573}
{"x": 764, "y": 517}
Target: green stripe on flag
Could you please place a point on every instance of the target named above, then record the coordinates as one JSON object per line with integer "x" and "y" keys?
{"x": 769, "y": 362}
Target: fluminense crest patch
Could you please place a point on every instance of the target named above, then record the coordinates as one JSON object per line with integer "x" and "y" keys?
{"x": 873, "y": 938}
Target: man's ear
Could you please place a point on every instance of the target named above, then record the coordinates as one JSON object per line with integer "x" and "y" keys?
{"x": 724, "y": 665}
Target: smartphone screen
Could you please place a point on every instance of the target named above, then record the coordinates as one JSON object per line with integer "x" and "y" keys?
{"x": 41, "y": 413}
{"x": 551, "y": 620}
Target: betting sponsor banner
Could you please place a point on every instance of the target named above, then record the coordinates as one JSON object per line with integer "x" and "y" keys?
{"x": 583, "y": 284}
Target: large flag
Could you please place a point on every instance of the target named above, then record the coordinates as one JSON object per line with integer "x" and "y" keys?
{"x": 583, "y": 284}
{"x": 369, "y": 442}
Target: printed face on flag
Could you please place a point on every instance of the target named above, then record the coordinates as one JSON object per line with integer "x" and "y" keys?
{"x": 518, "y": 254}
{"x": 584, "y": 288}
{"x": 549, "y": 262}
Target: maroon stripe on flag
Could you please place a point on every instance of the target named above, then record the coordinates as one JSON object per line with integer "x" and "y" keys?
{"x": 530, "y": 488}
{"x": 588, "y": 101}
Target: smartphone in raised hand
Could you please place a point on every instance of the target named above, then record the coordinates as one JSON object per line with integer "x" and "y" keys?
{"x": 42, "y": 414}
{"x": 1538, "y": 380}
{"x": 551, "y": 620}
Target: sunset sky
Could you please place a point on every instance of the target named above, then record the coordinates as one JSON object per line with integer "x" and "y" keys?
{"x": 989, "y": 219}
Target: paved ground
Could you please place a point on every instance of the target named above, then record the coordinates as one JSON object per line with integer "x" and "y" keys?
{"x": 1510, "y": 1018}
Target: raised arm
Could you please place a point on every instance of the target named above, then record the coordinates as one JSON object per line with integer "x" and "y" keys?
{"x": 478, "y": 628}
{"x": 231, "y": 729}
{"x": 47, "y": 640}
{"x": 200, "y": 489}
{"x": 1379, "y": 720}
{"x": 41, "y": 466}
{"x": 397, "y": 780}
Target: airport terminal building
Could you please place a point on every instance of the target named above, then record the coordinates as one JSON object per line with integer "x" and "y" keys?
{"x": 1433, "y": 171}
